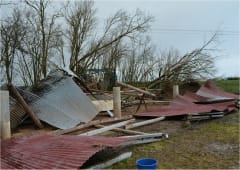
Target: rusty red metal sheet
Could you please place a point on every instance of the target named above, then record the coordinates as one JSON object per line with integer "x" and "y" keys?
{"x": 186, "y": 104}
{"x": 177, "y": 110}
{"x": 194, "y": 98}
{"x": 210, "y": 90}
{"x": 52, "y": 152}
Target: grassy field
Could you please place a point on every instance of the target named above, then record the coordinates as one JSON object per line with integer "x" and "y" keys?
{"x": 209, "y": 144}
{"x": 229, "y": 85}
{"x": 213, "y": 145}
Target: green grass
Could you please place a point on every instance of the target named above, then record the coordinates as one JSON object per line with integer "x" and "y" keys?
{"x": 192, "y": 149}
{"x": 229, "y": 85}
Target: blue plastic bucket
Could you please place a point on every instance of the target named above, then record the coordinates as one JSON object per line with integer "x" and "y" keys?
{"x": 147, "y": 163}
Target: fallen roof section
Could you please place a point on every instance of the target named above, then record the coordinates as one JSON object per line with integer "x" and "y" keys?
{"x": 187, "y": 104}
{"x": 17, "y": 113}
{"x": 210, "y": 90}
{"x": 180, "y": 107}
{"x": 53, "y": 152}
{"x": 60, "y": 102}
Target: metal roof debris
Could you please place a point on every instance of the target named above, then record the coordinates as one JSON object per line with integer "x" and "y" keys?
{"x": 52, "y": 152}
{"x": 210, "y": 90}
{"x": 188, "y": 104}
{"x": 66, "y": 107}
{"x": 18, "y": 114}
{"x": 60, "y": 102}
{"x": 62, "y": 152}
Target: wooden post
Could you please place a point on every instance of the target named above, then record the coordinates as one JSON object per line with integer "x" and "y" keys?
{"x": 175, "y": 90}
{"x": 25, "y": 106}
{"x": 5, "y": 115}
{"x": 117, "y": 102}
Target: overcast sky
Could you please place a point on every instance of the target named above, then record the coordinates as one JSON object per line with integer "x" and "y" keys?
{"x": 186, "y": 25}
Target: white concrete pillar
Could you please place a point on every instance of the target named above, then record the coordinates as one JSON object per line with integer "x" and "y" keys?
{"x": 117, "y": 102}
{"x": 5, "y": 131}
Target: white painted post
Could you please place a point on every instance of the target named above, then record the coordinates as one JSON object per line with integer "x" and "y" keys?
{"x": 5, "y": 115}
{"x": 175, "y": 90}
{"x": 117, "y": 102}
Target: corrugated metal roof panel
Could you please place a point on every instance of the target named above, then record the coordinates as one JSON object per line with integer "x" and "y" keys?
{"x": 181, "y": 106}
{"x": 52, "y": 152}
{"x": 185, "y": 105}
{"x": 17, "y": 113}
{"x": 210, "y": 90}
{"x": 60, "y": 103}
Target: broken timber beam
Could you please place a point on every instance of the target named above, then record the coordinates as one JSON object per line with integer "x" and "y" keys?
{"x": 135, "y": 88}
{"x": 91, "y": 123}
{"x": 130, "y": 126}
{"x": 25, "y": 106}
{"x": 106, "y": 128}
{"x": 124, "y": 130}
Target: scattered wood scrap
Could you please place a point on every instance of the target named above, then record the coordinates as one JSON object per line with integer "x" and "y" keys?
{"x": 89, "y": 124}
{"x": 142, "y": 123}
{"x": 103, "y": 105}
{"x": 135, "y": 88}
{"x": 123, "y": 130}
{"x": 107, "y": 128}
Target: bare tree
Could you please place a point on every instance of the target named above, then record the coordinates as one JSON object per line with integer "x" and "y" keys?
{"x": 81, "y": 20}
{"x": 139, "y": 63}
{"x": 199, "y": 63}
{"x": 12, "y": 33}
{"x": 45, "y": 23}
{"x": 85, "y": 49}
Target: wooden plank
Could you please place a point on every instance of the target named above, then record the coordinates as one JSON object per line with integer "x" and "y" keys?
{"x": 103, "y": 105}
{"x": 130, "y": 126}
{"x": 107, "y": 128}
{"x": 25, "y": 106}
{"x": 5, "y": 131}
{"x": 135, "y": 88}
{"x": 123, "y": 130}
{"x": 91, "y": 123}
{"x": 111, "y": 161}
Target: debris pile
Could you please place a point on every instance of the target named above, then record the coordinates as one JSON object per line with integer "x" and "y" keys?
{"x": 59, "y": 101}
{"x": 208, "y": 102}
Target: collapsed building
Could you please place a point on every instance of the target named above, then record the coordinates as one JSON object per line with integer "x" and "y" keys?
{"x": 65, "y": 103}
